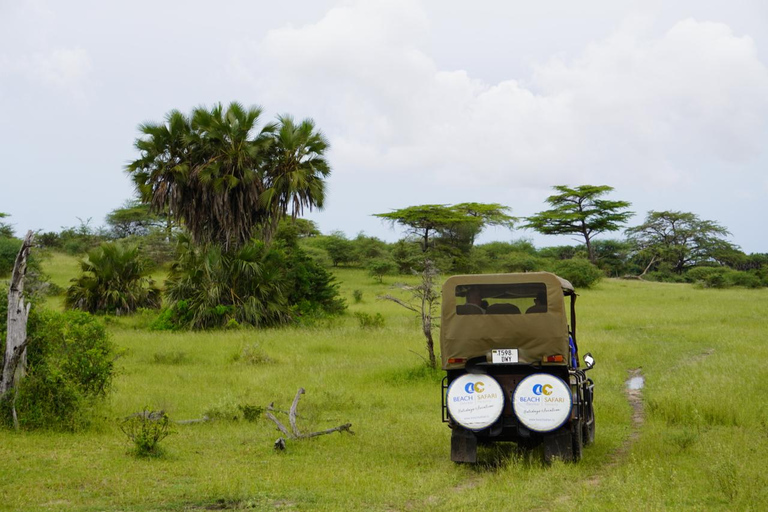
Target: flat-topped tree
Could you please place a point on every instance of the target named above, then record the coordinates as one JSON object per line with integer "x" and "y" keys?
{"x": 680, "y": 239}
{"x": 580, "y": 211}
{"x": 458, "y": 222}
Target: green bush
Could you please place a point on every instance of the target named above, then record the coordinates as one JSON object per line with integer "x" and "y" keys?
{"x": 145, "y": 430}
{"x": 70, "y": 368}
{"x": 113, "y": 280}
{"x": 581, "y": 273}
{"x": 358, "y": 296}
{"x": 9, "y": 248}
{"x": 522, "y": 262}
{"x": 722, "y": 277}
{"x": 378, "y": 268}
{"x": 368, "y": 321}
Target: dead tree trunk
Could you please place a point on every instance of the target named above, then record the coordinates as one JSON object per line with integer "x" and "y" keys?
{"x": 18, "y": 312}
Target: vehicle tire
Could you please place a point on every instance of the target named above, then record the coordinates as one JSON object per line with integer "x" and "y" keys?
{"x": 588, "y": 428}
{"x": 578, "y": 441}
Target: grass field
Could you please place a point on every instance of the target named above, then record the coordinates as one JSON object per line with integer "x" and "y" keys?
{"x": 698, "y": 441}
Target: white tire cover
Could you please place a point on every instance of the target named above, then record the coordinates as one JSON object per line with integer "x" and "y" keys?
{"x": 475, "y": 401}
{"x": 542, "y": 402}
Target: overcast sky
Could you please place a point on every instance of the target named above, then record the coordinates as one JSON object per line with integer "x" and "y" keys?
{"x": 433, "y": 101}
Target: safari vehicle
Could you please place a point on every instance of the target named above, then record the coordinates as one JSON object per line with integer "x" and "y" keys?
{"x": 512, "y": 365}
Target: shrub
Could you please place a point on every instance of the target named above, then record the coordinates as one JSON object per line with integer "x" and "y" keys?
{"x": 369, "y": 321}
{"x": 581, "y": 273}
{"x": 251, "y": 354}
{"x": 9, "y": 248}
{"x": 378, "y": 268}
{"x": 358, "y": 296}
{"x": 522, "y": 262}
{"x": 146, "y": 429}
{"x": 114, "y": 280}
{"x": 70, "y": 367}
{"x": 254, "y": 285}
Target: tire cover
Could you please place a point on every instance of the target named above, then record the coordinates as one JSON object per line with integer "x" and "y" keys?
{"x": 475, "y": 401}
{"x": 542, "y": 402}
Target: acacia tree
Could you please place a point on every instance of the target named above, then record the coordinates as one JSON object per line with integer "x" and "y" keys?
{"x": 457, "y": 223}
{"x": 680, "y": 239}
{"x": 580, "y": 211}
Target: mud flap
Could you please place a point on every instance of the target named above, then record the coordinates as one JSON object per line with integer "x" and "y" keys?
{"x": 463, "y": 446}
{"x": 558, "y": 444}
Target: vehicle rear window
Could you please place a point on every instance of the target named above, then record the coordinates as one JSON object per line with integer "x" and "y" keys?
{"x": 501, "y": 299}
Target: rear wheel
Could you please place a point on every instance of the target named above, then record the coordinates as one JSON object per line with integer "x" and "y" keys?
{"x": 577, "y": 440}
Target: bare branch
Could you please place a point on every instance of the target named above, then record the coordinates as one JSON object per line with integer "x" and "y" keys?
{"x": 398, "y": 301}
{"x": 292, "y": 415}
{"x": 280, "y": 426}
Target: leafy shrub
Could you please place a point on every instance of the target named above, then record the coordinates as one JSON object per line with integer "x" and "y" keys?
{"x": 522, "y": 262}
{"x": 251, "y": 354}
{"x": 369, "y": 321}
{"x": 378, "y": 268}
{"x": 9, "y": 248}
{"x": 228, "y": 410}
{"x": 114, "y": 280}
{"x": 254, "y": 285}
{"x": 70, "y": 367}
{"x": 146, "y": 429}
{"x": 722, "y": 277}
{"x": 358, "y": 296}
{"x": 251, "y": 413}
{"x": 581, "y": 273}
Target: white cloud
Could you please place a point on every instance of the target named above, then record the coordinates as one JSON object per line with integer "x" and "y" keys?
{"x": 628, "y": 110}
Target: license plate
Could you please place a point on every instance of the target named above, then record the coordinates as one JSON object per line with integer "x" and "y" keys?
{"x": 504, "y": 355}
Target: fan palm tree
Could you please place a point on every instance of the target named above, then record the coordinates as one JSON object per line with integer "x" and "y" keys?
{"x": 205, "y": 169}
{"x": 113, "y": 280}
{"x": 295, "y": 172}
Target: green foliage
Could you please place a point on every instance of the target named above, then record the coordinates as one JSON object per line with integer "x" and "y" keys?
{"x": 255, "y": 285}
{"x": 251, "y": 354}
{"x": 357, "y": 295}
{"x": 6, "y": 230}
{"x": 580, "y": 211}
{"x": 366, "y": 321}
{"x": 379, "y": 268}
{"x": 722, "y": 277}
{"x": 580, "y": 272}
{"x": 114, "y": 280}
{"x": 134, "y": 218}
{"x": 70, "y": 367}
{"x": 312, "y": 290}
{"x": 225, "y": 178}
{"x": 457, "y": 226}
{"x": 9, "y": 248}
{"x": 406, "y": 256}
{"x": 145, "y": 430}
{"x": 339, "y": 248}
{"x": 680, "y": 239}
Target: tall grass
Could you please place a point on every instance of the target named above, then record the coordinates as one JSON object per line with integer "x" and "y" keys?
{"x": 702, "y": 446}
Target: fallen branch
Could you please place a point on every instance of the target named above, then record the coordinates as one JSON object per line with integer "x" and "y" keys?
{"x": 296, "y": 433}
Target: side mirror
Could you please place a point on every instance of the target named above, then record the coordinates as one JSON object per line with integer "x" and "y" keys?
{"x": 589, "y": 360}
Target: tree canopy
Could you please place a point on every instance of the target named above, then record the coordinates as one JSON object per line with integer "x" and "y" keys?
{"x": 680, "y": 239}
{"x": 226, "y": 177}
{"x": 461, "y": 221}
{"x": 580, "y": 211}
